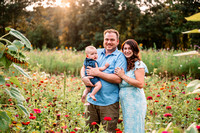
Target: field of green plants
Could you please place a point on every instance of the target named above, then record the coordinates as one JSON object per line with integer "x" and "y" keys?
{"x": 54, "y": 104}
{"x": 45, "y": 96}
{"x": 71, "y": 61}
{"x": 52, "y": 96}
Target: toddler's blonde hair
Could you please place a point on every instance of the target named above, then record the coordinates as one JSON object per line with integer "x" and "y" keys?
{"x": 88, "y": 48}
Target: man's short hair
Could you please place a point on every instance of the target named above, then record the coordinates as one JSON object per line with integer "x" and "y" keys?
{"x": 112, "y": 31}
{"x": 88, "y": 48}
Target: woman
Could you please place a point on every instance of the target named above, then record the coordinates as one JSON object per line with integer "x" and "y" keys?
{"x": 133, "y": 100}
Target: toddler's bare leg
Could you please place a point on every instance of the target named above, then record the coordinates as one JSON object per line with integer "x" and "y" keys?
{"x": 85, "y": 92}
{"x": 95, "y": 90}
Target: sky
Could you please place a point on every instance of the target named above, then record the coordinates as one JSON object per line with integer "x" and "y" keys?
{"x": 58, "y": 3}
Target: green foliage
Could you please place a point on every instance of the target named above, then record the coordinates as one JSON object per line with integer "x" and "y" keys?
{"x": 11, "y": 52}
{"x": 58, "y": 61}
{"x": 58, "y": 97}
{"x": 4, "y": 121}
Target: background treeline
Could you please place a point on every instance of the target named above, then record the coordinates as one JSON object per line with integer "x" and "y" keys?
{"x": 82, "y": 22}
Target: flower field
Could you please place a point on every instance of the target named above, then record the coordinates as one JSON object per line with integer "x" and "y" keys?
{"x": 54, "y": 105}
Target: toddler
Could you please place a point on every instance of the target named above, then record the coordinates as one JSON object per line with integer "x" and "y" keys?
{"x": 91, "y": 57}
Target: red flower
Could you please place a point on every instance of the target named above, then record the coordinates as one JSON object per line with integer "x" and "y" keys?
{"x": 119, "y": 120}
{"x": 72, "y": 132}
{"x": 167, "y": 115}
{"x": 168, "y": 107}
{"x": 107, "y": 118}
{"x": 32, "y": 117}
{"x": 31, "y": 114}
{"x": 66, "y": 115}
{"x": 198, "y": 127}
{"x": 93, "y": 123}
{"x": 156, "y": 101}
{"x": 26, "y": 123}
{"x": 149, "y": 98}
{"x": 119, "y": 132}
{"x": 196, "y": 98}
{"x": 117, "y": 129}
{"x": 198, "y": 109}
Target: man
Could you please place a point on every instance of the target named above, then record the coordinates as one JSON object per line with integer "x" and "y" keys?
{"x": 107, "y": 99}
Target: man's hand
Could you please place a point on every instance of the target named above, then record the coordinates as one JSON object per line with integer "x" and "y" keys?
{"x": 86, "y": 81}
{"x": 93, "y": 71}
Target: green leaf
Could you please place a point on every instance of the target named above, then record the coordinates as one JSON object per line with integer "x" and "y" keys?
{"x": 5, "y": 62}
{"x": 2, "y": 80}
{"x": 8, "y": 92}
{"x": 7, "y": 28}
{"x": 193, "y": 85}
{"x": 12, "y": 48}
{"x": 15, "y": 93}
{"x": 18, "y": 44}
{"x": 161, "y": 130}
{"x": 177, "y": 130}
{"x": 2, "y": 49}
{"x": 21, "y": 70}
{"x": 15, "y": 81}
{"x": 23, "y": 109}
{"x": 192, "y": 128}
{"x": 20, "y": 36}
{"x": 4, "y": 121}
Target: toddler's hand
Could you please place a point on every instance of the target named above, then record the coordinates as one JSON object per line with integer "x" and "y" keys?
{"x": 107, "y": 65}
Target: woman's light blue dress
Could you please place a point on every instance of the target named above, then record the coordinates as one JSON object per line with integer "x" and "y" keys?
{"x": 133, "y": 103}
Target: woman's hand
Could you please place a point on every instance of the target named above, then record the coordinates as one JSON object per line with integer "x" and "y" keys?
{"x": 119, "y": 72}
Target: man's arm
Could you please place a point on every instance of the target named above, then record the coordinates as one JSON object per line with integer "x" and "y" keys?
{"x": 112, "y": 78}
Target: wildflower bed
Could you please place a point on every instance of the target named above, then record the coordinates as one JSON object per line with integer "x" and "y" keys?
{"x": 54, "y": 105}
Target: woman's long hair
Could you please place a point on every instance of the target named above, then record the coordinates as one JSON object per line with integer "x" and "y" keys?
{"x": 136, "y": 53}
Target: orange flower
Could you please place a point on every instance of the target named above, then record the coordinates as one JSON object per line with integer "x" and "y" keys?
{"x": 198, "y": 109}
{"x": 162, "y": 88}
{"x": 170, "y": 91}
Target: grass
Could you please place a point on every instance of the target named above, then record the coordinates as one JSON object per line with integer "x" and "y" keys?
{"x": 161, "y": 62}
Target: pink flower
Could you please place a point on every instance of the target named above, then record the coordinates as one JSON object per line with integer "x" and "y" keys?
{"x": 165, "y": 132}
{"x": 37, "y": 111}
{"x": 8, "y": 85}
{"x": 167, "y": 115}
{"x": 107, "y": 118}
{"x": 158, "y": 95}
{"x": 64, "y": 127}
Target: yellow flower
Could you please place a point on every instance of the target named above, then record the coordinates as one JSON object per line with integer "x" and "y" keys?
{"x": 56, "y": 47}
{"x": 100, "y": 46}
{"x": 140, "y": 44}
{"x": 70, "y": 48}
{"x": 66, "y": 47}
